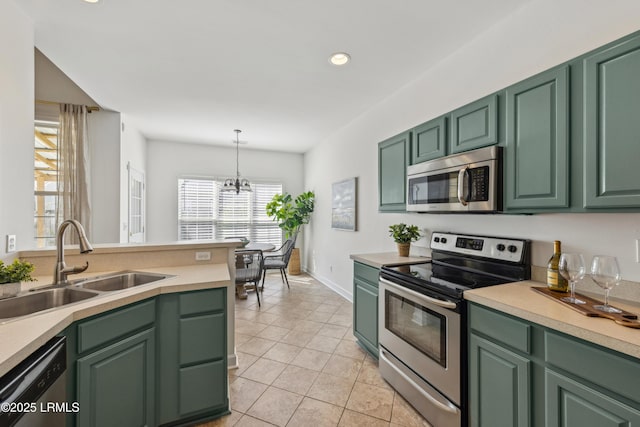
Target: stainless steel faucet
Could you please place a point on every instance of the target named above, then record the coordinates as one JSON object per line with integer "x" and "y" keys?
{"x": 62, "y": 271}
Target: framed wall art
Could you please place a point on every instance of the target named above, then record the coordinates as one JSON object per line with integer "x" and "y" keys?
{"x": 344, "y": 204}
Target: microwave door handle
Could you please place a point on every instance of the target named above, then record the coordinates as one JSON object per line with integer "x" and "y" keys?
{"x": 462, "y": 175}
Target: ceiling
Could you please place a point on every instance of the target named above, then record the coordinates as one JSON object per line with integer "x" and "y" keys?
{"x": 193, "y": 71}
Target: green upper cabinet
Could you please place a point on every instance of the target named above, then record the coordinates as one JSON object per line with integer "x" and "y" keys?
{"x": 429, "y": 140}
{"x": 475, "y": 125}
{"x": 537, "y": 142}
{"x": 612, "y": 126}
{"x": 393, "y": 158}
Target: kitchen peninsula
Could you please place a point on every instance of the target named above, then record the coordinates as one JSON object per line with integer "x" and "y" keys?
{"x": 168, "y": 343}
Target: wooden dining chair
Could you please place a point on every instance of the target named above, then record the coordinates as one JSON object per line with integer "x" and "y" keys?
{"x": 249, "y": 268}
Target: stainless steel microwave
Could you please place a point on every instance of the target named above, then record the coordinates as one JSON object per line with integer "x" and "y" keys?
{"x": 465, "y": 182}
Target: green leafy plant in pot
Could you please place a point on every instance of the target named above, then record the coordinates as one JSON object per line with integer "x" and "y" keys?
{"x": 12, "y": 274}
{"x": 403, "y": 235}
{"x": 291, "y": 214}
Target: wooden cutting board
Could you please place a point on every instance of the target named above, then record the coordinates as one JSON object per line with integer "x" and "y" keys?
{"x": 624, "y": 318}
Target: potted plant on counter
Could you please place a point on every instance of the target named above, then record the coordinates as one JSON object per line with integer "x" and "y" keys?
{"x": 12, "y": 274}
{"x": 291, "y": 215}
{"x": 403, "y": 235}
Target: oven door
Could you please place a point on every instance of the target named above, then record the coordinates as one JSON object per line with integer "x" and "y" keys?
{"x": 424, "y": 333}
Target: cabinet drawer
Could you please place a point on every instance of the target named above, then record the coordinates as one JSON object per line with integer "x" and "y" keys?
{"x": 118, "y": 324}
{"x": 202, "y": 387}
{"x": 501, "y": 328}
{"x": 202, "y": 301}
{"x": 613, "y": 371}
{"x": 202, "y": 338}
{"x": 366, "y": 272}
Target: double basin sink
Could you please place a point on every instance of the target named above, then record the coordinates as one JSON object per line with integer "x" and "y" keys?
{"x": 79, "y": 290}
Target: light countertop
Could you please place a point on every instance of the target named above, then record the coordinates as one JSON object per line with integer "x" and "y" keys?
{"x": 518, "y": 299}
{"x": 377, "y": 260}
{"x": 22, "y": 336}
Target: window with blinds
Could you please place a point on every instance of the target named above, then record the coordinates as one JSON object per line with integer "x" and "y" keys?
{"x": 206, "y": 212}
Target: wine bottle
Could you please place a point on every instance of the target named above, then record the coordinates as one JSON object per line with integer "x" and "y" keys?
{"x": 555, "y": 281}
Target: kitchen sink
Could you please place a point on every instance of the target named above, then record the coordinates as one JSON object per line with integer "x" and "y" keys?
{"x": 119, "y": 281}
{"x": 43, "y": 300}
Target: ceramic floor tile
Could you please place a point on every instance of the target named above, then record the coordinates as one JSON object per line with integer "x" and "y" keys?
{"x": 274, "y": 332}
{"x": 333, "y": 331}
{"x": 343, "y": 367}
{"x": 225, "y": 421}
{"x": 308, "y": 326}
{"x": 243, "y": 393}
{"x": 248, "y": 421}
{"x": 327, "y": 308}
{"x": 298, "y": 338}
{"x": 371, "y": 400}
{"x": 320, "y": 343}
{"x": 315, "y": 413}
{"x": 248, "y": 327}
{"x": 296, "y": 379}
{"x": 244, "y": 361}
{"x": 266, "y": 318}
{"x": 351, "y": 349}
{"x": 356, "y": 419}
{"x": 264, "y": 371}
{"x": 284, "y": 322}
{"x": 282, "y": 352}
{"x": 341, "y": 320}
{"x": 311, "y": 359}
{"x": 275, "y": 406}
{"x": 241, "y": 338}
{"x": 370, "y": 374}
{"x": 331, "y": 389}
{"x": 318, "y": 316}
{"x": 403, "y": 414}
{"x": 256, "y": 346}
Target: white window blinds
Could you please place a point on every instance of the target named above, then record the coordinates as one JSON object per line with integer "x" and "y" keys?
{"x": 206, "y": 212}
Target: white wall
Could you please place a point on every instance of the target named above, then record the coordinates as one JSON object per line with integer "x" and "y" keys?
{"x": 16, "y": 126}
{"x": 538, "y": 36}
{"x": 133, "y": 152}
{"x": 104, "y": 139}
{"x": 168, "y": 161}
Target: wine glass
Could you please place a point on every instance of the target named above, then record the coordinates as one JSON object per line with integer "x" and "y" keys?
{"x": 606, "y": 273}
{"x": 571, "y": 266}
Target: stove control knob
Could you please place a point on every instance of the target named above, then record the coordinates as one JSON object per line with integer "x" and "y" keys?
{"x": 500, "y": 247}
{"x": 443, "y": 240}
{"x": 512, "y": 248}
{"x": 436, "y": 239}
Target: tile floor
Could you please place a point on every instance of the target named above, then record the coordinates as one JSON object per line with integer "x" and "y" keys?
{"x": 300, "y": 364}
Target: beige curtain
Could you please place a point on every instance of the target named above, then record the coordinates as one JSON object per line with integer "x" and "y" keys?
{"x": 73, "y": 167}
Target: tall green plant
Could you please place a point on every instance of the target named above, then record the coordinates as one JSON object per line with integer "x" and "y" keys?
{"x": 291, "y": 213}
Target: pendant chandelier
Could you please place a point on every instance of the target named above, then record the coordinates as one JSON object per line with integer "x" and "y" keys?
{"x": 238, "y": 184}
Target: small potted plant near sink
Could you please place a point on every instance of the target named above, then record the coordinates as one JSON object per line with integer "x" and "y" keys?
{"x": 12, "y": 274}
{"x": 403, "y": 235}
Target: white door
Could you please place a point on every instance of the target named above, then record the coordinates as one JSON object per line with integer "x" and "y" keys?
{"x": 136, "y": 205}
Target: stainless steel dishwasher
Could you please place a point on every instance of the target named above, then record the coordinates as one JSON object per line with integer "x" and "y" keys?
{"x": 34, "y": 392}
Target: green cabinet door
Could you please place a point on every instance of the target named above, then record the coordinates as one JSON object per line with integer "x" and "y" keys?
{"x": 571, "y": 403}
{"x": 475, "y": 125}
{"x": 365, "y": 306}
{"x": 499, "y": 385}
{"x": 393, "y": 158}
{"x": 537, "y": 142}
{"x": 115, "y": 385}
{"x": 192, "y": 359}
{"x": 612, "y": 126}
{"x": 429, "y": 140}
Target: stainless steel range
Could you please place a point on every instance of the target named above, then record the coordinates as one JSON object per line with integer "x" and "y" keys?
{"x": 422, "y": 330}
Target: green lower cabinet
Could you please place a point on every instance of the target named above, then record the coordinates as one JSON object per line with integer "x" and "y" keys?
{"x": 499, "y": 385}
{"x": 550, "y": 379}
{"x": 537, "y": 144}
{"x": 570, "y": 403}
{"x": 365, "y": 307}
{"x": 115, "y": 385}
{"x": 192, "y": 356}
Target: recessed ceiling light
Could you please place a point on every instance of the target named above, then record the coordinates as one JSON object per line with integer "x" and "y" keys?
{"x": 91, "y": 1}
{"x": 339, "y": 58}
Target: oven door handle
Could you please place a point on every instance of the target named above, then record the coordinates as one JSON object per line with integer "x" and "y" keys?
{"x": 462, "y": 175}
{"x": 441, "y": 303}
{"x": 443, "y": 406}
